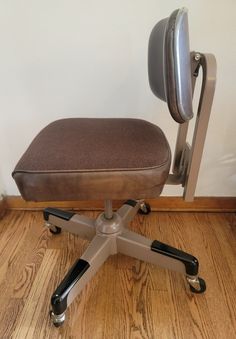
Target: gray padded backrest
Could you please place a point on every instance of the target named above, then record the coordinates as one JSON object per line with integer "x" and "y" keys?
{"x": 169, "y": 66}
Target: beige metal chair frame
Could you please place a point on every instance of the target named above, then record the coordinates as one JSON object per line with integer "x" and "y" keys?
{"x": 172, "y": 74}
{"x": 187, "y": 158}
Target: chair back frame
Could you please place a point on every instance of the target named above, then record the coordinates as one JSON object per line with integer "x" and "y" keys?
{"x": 187, "y": 158}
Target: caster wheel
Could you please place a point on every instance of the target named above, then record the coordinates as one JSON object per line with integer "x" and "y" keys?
{"x": 145, "y": 208}
{"x": 201, "y": 286}
{"x": 55, "y": 230}
{"x": 58, "y": 324}
{"x": 52, "y": 228}
{"x": 57, "y": 320}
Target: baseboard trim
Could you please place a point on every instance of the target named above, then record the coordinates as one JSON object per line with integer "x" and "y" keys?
{"x": 165, "y": 204}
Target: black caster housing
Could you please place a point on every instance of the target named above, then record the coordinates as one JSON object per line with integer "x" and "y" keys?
{"x": 197, "y": 285}
{"x": 202, "y": 287}
{"x": 54, "y": 229}
{"x": 57, "y": 320}
{"x": 144, "y": 209}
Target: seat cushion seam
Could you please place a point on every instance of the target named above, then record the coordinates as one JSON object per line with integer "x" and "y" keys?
{"x": 93, "y": 170}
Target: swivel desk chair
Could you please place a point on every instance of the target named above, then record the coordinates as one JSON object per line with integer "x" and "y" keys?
{"x": 77, "y": 159}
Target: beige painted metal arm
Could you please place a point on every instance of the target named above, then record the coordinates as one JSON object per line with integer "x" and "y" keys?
{"x": 187, "y": 159}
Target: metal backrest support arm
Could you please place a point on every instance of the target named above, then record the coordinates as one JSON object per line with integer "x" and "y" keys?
{"x": 208, "y": 63}
{"x": 187, "y": 158}
{"x": 183, "y": 128}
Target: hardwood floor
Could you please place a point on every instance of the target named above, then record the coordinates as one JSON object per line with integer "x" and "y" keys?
{"x": 127, "y": 298}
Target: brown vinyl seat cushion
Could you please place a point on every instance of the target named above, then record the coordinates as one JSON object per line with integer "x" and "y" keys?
{"x": 82, "y": 158}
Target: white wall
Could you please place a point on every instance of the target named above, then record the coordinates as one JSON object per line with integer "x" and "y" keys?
{"x": 1, "y": 186}
{"x": 89, "y": 58}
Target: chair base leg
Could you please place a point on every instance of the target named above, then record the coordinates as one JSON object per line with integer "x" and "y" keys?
{"x": 80, "y": 273}
{"x": 108, "y": 237}
{"x": 80, "y": 225}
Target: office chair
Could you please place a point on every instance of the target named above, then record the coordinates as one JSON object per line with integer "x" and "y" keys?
{"x": 129, "y": 159}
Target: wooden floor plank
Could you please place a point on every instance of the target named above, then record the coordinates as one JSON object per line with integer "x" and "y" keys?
{"x": 30, "y": 315}
{"x": 227, "y": 238}
{"x": 126, "y": 298}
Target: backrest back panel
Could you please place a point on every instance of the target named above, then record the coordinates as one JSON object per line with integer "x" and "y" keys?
{"x": 183, "y": 65}
{"x": 156, "y": 69}
{"x": 169, "y": 65}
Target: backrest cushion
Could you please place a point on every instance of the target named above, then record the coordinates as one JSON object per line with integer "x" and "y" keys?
{"x": 169, "y": 66}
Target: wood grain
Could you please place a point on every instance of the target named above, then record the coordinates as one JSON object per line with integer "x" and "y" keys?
{"x": 126, "y": 298}
{"x": 164, "y": 204}
{"x": 3, "y": 207}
